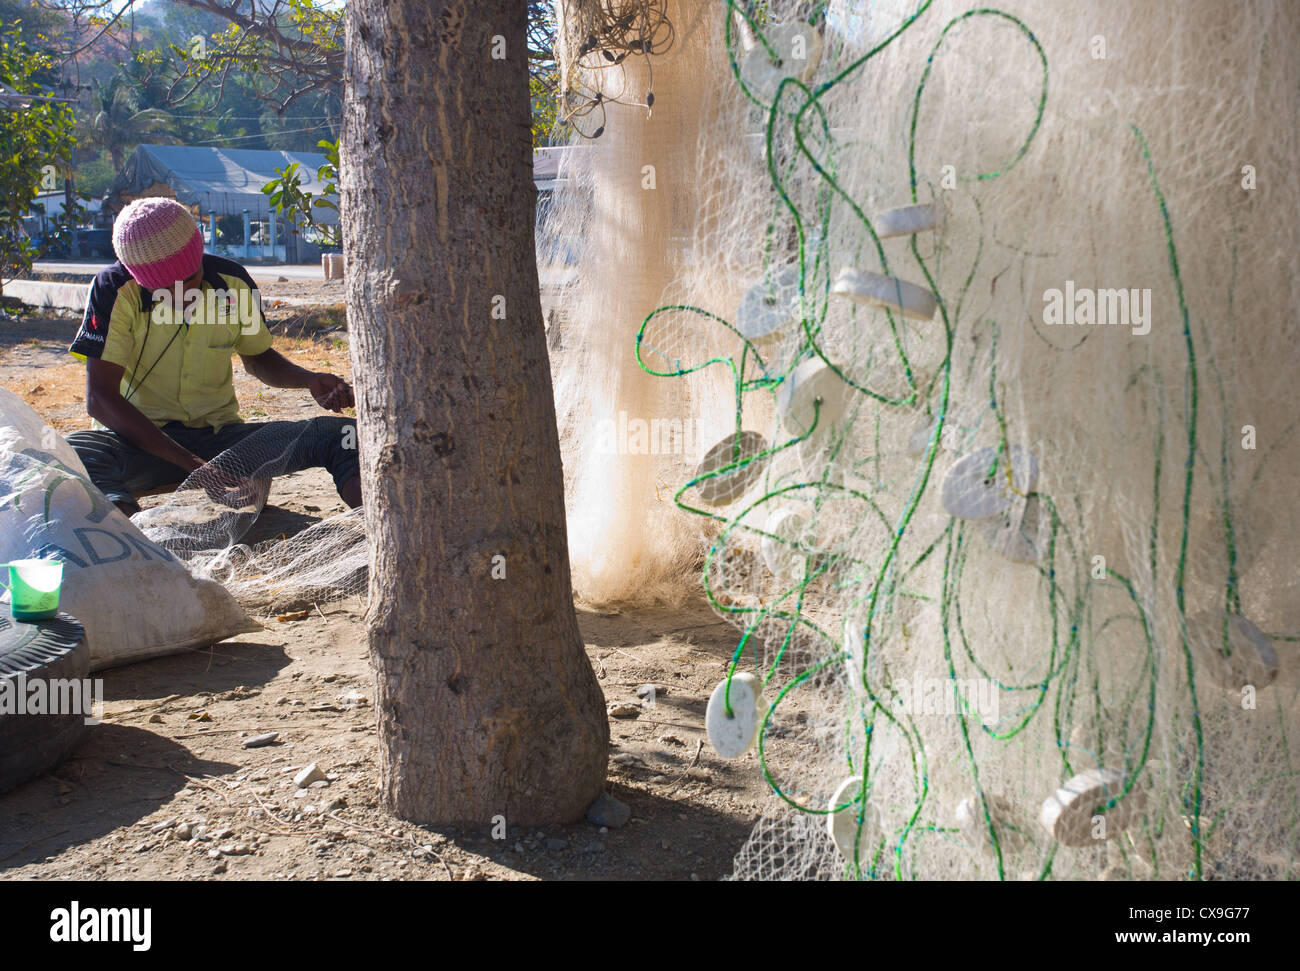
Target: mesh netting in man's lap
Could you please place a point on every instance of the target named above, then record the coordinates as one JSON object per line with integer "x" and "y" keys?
{"x": 204, "y": 521}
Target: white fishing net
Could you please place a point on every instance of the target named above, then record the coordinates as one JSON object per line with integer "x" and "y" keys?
{"x": 998, "y": 307}
{"x": 206, "y": 519}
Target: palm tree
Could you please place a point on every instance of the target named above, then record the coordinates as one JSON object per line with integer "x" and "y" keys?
{"x": 119, "y": 124}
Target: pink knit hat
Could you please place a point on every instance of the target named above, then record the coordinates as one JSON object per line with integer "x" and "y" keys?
{"x": 158, "y": 241}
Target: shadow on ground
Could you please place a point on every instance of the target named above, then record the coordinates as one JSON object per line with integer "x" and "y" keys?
{"x": 44, "y": 328}
{"x": 666, "y": 839}
{"x": 117, "y": 777}
{"x": 217, "y": 669}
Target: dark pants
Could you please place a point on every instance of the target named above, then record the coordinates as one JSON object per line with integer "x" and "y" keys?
{"x": 267, "y": 449}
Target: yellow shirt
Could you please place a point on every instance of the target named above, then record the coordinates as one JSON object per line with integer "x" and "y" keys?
{"x": 176, "y": 348}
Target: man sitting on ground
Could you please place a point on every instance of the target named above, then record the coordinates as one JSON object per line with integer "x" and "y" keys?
{"x": 159, "y": 331}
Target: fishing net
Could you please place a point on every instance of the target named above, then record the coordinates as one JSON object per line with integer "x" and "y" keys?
{"x": 980, "y": 326}
{"x": 206, "y": 519}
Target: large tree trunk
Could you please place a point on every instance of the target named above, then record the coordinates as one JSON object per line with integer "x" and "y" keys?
{"x": 486, "y": 701}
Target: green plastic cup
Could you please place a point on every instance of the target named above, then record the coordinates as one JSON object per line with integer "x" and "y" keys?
{"x": 34, "y": 588}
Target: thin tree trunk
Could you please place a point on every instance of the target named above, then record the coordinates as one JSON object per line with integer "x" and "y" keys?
{"x": 487, "y": 703}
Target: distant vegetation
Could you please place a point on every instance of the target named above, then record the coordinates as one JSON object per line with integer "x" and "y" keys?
{"x": 172, "y": 72}
{"x": 262, "y": 74}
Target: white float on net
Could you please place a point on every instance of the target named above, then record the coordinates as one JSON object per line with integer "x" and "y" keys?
{"x": 856, "y": 815}
{"x": 977, "y": 488}
{"x": 886, "y": 292}
{"x": 812, "y": 398}
{"x": 770, "y": 307}
{"x": 727, "y": 487}
{"x": 733, "y": 733}
{"x": 909, "y": 220}
{"x": 781, "y": 551}
{"x": 1073, "y": 816}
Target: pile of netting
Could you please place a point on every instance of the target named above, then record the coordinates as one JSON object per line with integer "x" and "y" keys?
{"x": 958, "y": 343}
{"x": 205, "y": 521}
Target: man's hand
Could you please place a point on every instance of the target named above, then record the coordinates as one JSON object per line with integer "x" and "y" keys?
{"x": 226, "y": 488}
{"x": 331, "y": 391}
{"x": 273, "y": 368}
{"x": 230, "y": 488}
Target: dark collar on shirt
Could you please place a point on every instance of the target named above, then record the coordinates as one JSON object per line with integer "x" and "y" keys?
{"x": 210, "y": 274}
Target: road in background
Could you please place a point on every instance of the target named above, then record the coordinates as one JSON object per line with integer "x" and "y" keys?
{"x": 261, "y": 274}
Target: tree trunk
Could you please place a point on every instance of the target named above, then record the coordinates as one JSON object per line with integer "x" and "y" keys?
{"x": 486, "y": 700}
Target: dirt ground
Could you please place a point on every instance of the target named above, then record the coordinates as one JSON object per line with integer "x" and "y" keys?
{"x": 164, "y": 788}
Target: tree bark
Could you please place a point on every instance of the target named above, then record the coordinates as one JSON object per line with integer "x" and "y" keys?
{"x": 487, "y": 703}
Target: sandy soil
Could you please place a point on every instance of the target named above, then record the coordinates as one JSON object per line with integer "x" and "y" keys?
{"x": 164, "y": 789}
